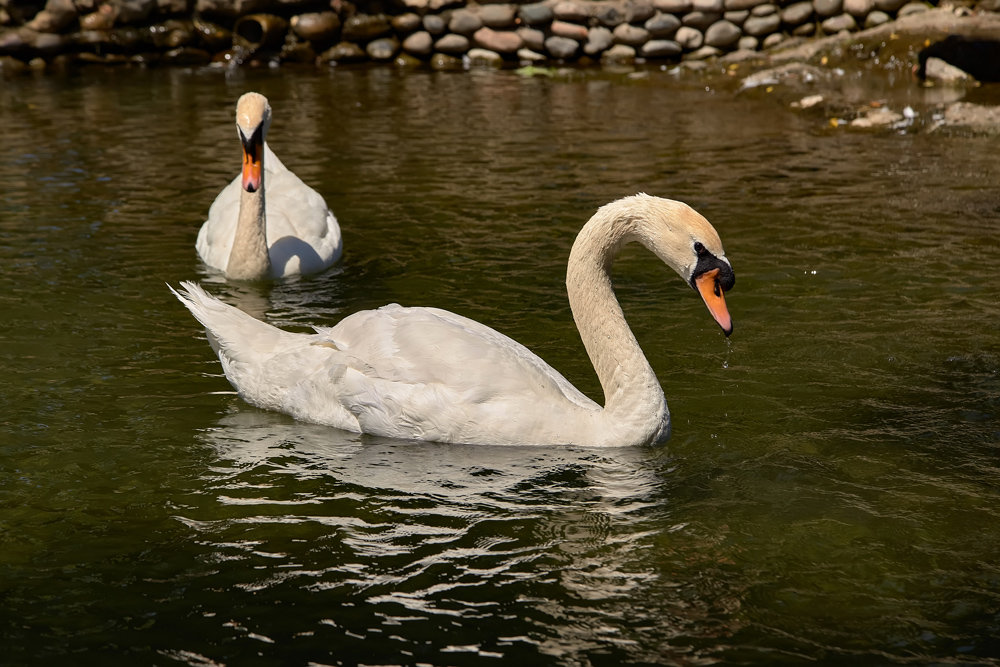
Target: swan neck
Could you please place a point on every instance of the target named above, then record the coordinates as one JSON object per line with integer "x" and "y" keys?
{"x": 249, "y": 258}
{"x": 633, "y": 397}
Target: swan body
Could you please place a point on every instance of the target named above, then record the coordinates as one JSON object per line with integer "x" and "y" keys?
{"x": 429, "y": 374}
{"x": 266, "y": 223}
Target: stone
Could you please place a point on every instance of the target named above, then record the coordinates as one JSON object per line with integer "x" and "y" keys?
{"x": 452, "y": 44}
{"x": 835, "y": 24}
{"x": 609, "y": 15}
{"x": 407, "y": 61}
{"x": 630, "y": 35}
{"x": 419, "y": 43}
{"x": 435, "y": 24}
{"x": 859, "y": 8}
{"x": 539, "y": 13}
{"x": 876, "y": 18}
{"x": 133, "y": 12}
{"x": 757, "y": 26}
{"x": 736, "y": 16}
{"x": 103, "y": 19}
{"x": 382, "y": 49}
{"x": 748, "y": 43}
{"x": 599, "y": 39}
{"x": 804, "y": 30}
{"x": 320, "y": 28}
{"x": 365, "y": 27}
{"x": 703, "y": 53}
{"x": 722, "y": 34}
{"x": 662, "y": 25}
{"x": 527, "y": 55}
{"x": 889, "y": 6}
{"x": 977, "y": 116}
{"x": 499, "y": 17}
{"x": 797, "y": 13}
{"x": 709, "y": 6}
{"x": 484, "y": 58}
{"x": 936, "y": 69}
{"x": 446, "y": 62}
{"x": 700, "y": 20}
{"x": 827, "y": 8}
{"x": 344, "y": 52}
{"x": 56, "y": 17}
{"x": 569, "y": 30}
{"x": 501, "y": 41}
{"x": 764, "y": 10}
{"x": 567, "y": 10}
{"x": 660, "y": 48}
{"x": 638, "y": 11}
{"x": 911, "y": 8}
{"x": 772, "y": 40}
{"x": 619, "y": 54}
{"x": 877, "y": 118}
{"x": 533, "y": 39}
{"x": 744, "y": 4}
{"x": 464, "y": 22}
{"x": 406, "y": 23}
{"x": 672, "y": 6}
{"x": 562, "y": 48}
{"x": 689, "y": 38}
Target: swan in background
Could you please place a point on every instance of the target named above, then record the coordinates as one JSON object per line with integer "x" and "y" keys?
{"x": 266, "y": 223}
{"x": 429, "y": 374}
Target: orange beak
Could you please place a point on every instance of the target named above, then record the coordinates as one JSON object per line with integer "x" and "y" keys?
{"x": 711, "y": 293}
{"x": 252, "y": 151}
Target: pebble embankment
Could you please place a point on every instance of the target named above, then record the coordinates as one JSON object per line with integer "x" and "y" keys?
{"x": 443, "y": 34}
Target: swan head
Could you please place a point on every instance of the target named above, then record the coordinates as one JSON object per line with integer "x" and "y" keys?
{"x": 684, "y": 240}
{"x": 253, "y": 118}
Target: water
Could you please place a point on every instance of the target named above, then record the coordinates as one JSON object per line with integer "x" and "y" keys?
{"x": 830, "y": 492}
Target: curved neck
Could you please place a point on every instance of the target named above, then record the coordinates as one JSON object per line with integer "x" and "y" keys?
{"x": 633, "y": 398}
{"x": 249, "y": 258}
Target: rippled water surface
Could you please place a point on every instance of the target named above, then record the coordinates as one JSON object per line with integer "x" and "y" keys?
{"x": 831, "y": 492}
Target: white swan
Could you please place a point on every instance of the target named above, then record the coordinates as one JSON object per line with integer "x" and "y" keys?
{"x": 429, "y": 374}
{"x": 266, "y": 223}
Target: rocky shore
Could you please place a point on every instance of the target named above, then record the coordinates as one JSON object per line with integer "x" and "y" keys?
{"x": 442, "y": 34}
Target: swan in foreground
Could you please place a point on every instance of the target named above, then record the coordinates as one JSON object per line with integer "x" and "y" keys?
{"x": 429, "y": 374}
{"x": 266, "y": 223}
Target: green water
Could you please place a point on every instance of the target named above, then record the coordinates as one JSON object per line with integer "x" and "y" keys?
{"x": 831, "y": 492}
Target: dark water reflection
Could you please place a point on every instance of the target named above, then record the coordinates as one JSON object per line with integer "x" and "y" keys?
{"x": 830, "y": 493}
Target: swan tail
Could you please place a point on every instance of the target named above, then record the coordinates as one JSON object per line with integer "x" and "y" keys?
{"x": 234, "y": 335}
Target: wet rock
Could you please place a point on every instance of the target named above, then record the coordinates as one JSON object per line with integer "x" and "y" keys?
{"x": 662, "y": 25}
{"x": 365, "y": 27}
{"x": 499, "y": 17}
{"x": 297, "y": 52}
{"x": 168, "y": 8}
{"x": 320, "y": 28}
{"x": 689, "y": 38}
{"x": 344, "y": 52}
{"x": 255, "y": 32}
{"x": 973, "y": 116}
{"x": 722, "y": 34}
{"x": 435, "y": 24}
{"x": 539, "y": 13}
{"x": 485, "y": 58}
{"x": 573, "y": 31}
{"x": 599, "y": 39}
{"x": 446, "y": 62}
{"x": 660, "y": 48}
{"x": 527, "y": 55}
{"x": 938, "y": 70}
{"x": 464, "y": 22}
{"x": 533, "y": 39}
{"x": 774, "y": 39}
{"x": 980, "y": 58}
{"x": 795, "y": 75}
{"x": 630, "y": 35}
{"x": 57, "y": 16}
{"x": 382, "y": 49}
{"x": 704, "y": 52}
{"x": 562, "y": 48}
{"x": 187, "y": 57}
{"x": 102, "y": 19}
{"x": 758, "y": 26}
{"x": 835, "y": 24}
{"x": 211, "y": 36}
{"x": 133, "y": 12}
{"x": 797, "y": 13}
{"x": 881, "y": 117}
{"x": 407, "y": 23}
{"x": 452, "y": 44}
{"x": 567, "y": 10}
{"x": 876, "y": 18}
{"x": 407, "y": 61}
{"x": 804, "y": 30}
{"x": 619, "y": 54}
{"x": 501, "y": 41}
{"x": 419, "y": 43}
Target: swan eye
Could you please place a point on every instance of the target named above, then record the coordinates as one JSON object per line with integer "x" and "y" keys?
{"x": 699, "y": 249}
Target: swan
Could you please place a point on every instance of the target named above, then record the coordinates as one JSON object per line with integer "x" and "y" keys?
{"x": 266, "y": 223}
{"x": 429, "y": 374}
